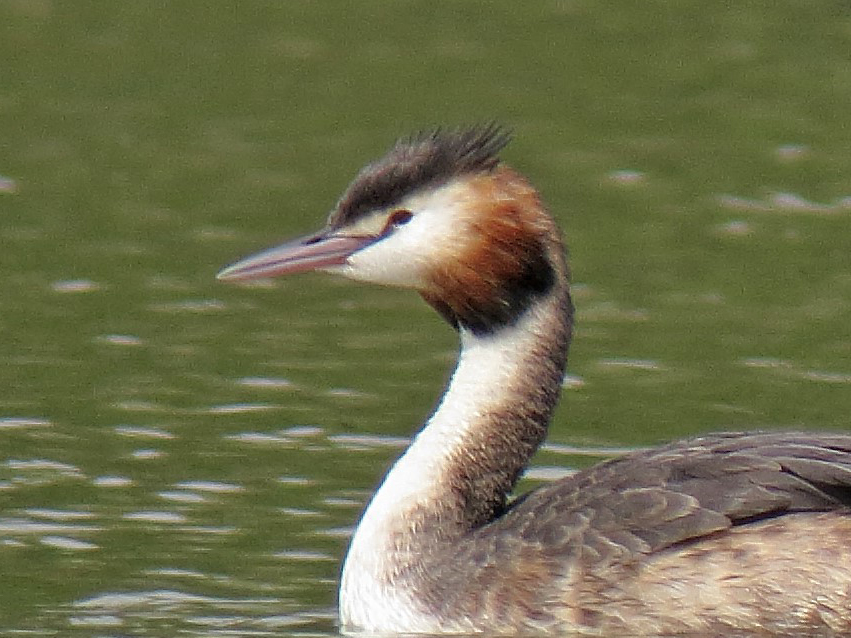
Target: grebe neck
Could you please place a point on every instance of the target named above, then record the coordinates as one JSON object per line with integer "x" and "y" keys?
{"x": 457, "y": 473}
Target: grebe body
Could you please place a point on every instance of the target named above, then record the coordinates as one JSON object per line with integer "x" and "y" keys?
{"x": 724, "y": 533}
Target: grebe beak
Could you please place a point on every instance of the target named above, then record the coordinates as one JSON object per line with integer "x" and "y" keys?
{"x": 314, "y": 252}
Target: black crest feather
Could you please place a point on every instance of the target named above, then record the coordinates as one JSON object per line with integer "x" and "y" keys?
{"x": 422, "y": 161}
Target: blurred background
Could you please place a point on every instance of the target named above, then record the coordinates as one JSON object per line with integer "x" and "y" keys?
{"x": 183, "y": 457}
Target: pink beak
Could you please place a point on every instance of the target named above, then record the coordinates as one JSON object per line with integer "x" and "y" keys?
{"x": 308, "y": 253}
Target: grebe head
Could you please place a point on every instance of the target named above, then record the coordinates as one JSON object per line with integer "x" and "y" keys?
{"x": 440, "y": 214}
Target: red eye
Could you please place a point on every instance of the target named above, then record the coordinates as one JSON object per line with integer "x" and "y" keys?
{"x": 399, "y": 218}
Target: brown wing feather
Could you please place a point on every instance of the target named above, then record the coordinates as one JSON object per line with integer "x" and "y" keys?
{"x": 610, "y": 518}
{"x": 680, "y": 492}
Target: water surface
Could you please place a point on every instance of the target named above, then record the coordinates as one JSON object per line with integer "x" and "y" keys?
{"x": 183, "y": 457}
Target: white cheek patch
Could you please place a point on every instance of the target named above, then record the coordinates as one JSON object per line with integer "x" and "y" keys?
{"x": 405, "y": 255}
{"x": 396, "y": 260}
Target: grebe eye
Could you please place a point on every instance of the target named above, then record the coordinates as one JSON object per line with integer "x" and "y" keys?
{"x": 399, "y": 218}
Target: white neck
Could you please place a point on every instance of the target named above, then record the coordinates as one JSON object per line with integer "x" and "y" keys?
{"x": 391, "y": 536}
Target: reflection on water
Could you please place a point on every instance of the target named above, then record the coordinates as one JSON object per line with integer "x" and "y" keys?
{"x": 200, "y": 614}
{"x": 183, "y": 518}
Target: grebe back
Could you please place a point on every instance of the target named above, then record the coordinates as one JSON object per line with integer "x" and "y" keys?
{"x": 721, "y": 533}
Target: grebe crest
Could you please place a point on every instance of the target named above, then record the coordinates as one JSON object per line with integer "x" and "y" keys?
{"x": 732, "y": 532}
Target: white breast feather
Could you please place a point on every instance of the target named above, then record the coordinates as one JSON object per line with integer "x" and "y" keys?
{"x": 368, "y": 599}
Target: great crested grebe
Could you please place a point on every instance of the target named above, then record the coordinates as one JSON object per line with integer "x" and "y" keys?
{"x": 714, "y": 534}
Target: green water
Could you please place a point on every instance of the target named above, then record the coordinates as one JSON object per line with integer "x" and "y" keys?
{"x": 183, "y": 457}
